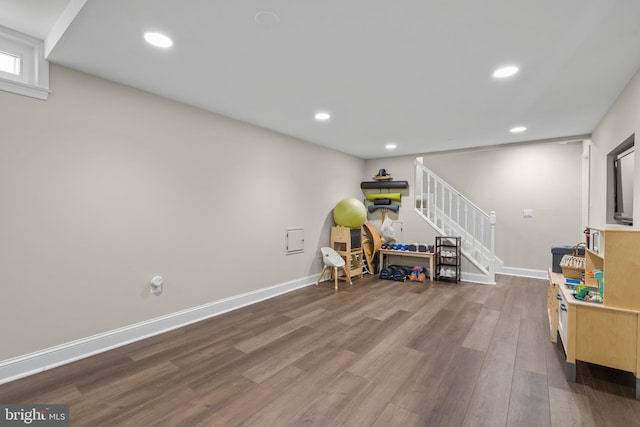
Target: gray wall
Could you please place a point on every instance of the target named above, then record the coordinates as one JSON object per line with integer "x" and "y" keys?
{"x": 544, "y": 177}
{"x": 622, "y": 120}
{"x": 104, "y": 186}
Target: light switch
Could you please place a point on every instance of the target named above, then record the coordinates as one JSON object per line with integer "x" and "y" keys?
{"x": 528, "y": 213}
{"x": 156, "y": 285}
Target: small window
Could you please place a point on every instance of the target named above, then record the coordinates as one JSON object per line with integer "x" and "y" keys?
{"x": 620, "y": 180}
{"x": 23, "y": 69}
{"x": 10, "y": 63}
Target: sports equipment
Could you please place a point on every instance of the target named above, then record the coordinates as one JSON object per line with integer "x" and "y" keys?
{"x": 350, "y": 213}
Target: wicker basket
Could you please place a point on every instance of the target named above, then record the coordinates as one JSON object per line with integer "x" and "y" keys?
{"x": 573, "y": 265}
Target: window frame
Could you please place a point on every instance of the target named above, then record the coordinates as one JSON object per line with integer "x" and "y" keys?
{"x": 33, "y": 80}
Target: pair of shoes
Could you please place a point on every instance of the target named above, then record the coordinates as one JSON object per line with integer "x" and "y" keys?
{"x": 447, "y": 272}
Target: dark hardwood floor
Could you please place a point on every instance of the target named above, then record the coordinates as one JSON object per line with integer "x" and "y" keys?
{"x": 378, "y": 353}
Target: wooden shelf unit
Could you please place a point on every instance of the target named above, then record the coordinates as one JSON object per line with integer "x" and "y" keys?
{"x": 615, "y": 251}
{"x": 341, "y": 242}
{"x": 426, "y": 255}
{"x": 606, "y": 334}
{"x": 597, "y": 334}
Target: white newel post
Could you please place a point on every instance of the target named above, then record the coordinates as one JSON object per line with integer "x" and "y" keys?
{"x": 492, "y": 245}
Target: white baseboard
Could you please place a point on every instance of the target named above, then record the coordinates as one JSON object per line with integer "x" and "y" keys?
{"x": 509, "y": 271}
{"x": 32, "y": 363}
{"x": 475, "y": 278}
{"x": 524, "y": 272}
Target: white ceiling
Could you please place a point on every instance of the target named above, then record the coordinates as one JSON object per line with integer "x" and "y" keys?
{"x": 32, "y": 17}
{"x": 415, "y": 72}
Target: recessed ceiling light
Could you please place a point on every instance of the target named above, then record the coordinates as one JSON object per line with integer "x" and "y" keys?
{"x": 503, "y": 72}
{"x": 322, "y": 116}
{"x": 158, "y": 40}
{"x": 391, "y": 146}
{"x": 267, "y": 19}
{"x": 517, "y": 129}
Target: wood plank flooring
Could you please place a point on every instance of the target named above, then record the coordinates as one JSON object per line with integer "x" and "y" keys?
{"x": 378, "y": 353}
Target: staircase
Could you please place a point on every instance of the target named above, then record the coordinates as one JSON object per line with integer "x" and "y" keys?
{"x": 452, "y": 214}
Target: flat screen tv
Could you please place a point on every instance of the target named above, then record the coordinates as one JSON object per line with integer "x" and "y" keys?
{"x": 623, "y": 171}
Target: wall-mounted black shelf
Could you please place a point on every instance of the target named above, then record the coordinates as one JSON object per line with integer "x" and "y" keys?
{"x": 366, "y": 185}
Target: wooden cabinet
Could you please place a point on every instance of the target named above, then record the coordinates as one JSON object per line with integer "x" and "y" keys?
{"x": 607, "y": 337}
{"x": 347, "y": 242}
{"x": 606, "y": 334}
{"x": 616, "y": 251}
{"x": 602, "y": 335}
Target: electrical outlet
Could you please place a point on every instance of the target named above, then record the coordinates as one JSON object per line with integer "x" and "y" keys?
{"x": 528, "y": 213}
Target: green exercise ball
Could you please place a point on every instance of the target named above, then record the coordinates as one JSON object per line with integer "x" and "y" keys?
{"x": 350, "y": 213}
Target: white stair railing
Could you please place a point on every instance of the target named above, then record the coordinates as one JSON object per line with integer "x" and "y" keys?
{"x": 452, "y": 214}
